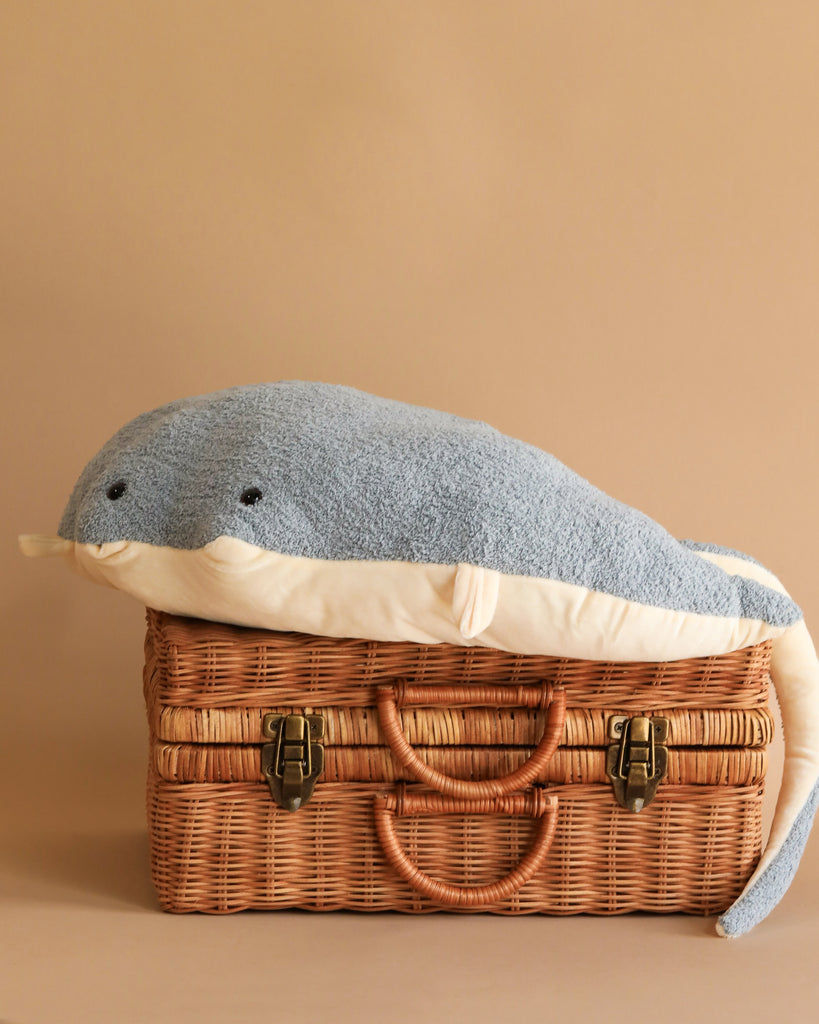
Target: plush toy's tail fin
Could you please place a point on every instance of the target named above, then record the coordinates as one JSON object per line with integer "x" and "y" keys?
{"x": 795, "y": 673}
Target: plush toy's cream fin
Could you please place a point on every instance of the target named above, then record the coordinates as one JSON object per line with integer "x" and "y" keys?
{"x": 38, "y": 545}
{"x": 474, "y": 599}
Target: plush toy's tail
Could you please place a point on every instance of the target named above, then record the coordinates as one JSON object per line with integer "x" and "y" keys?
{"x": 795, "y": 673}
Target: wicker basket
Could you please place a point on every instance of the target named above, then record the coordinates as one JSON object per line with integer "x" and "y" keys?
{"x": 453, "y": 778}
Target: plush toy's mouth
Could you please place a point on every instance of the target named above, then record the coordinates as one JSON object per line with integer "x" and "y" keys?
{"x": 108, "y": 551}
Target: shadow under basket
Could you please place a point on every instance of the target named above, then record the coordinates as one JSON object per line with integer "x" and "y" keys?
{"x": 289, "y": 770}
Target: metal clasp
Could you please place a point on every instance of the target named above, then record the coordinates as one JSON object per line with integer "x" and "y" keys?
{"x": 638, "y": 760}
{"x": 295, "y": 759}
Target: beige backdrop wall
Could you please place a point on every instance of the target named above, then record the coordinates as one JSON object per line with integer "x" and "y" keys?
{"x": 594, "y": 225}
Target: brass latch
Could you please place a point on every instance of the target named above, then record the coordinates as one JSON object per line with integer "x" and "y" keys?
{"x": 295, "y": 759}
{"x": 638, "y": 759}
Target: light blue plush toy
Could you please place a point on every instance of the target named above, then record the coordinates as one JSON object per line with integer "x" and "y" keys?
{"x": 322, "y": 509}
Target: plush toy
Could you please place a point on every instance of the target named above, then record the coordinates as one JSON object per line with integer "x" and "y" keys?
{"x": 318, "y": 508}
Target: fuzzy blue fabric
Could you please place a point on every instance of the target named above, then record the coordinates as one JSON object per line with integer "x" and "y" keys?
{"x": 328, "y": 472}
{"x": 718, "y": 549}
{"x": 771, "y": 885}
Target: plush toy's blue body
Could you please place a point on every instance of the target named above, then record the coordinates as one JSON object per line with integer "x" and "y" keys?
{"x": 334, "y": 473}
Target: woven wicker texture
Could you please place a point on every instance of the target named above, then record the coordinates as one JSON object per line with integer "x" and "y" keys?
{"x": 222, "y": 848}
{"x": 451, "y": 726}
{"x": 187, "y": 762}
{"x": 219, "y": 843}
{"x": 212, "y": 665}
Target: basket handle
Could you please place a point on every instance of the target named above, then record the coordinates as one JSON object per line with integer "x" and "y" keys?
{"x": 535, "y": 804}
{"x": 390, "y": 698}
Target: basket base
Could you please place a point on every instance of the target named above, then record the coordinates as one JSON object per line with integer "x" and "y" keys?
{"x": 221, "y": 848}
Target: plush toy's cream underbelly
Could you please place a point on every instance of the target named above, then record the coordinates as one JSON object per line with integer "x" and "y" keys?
{"x": 232, "y": 581}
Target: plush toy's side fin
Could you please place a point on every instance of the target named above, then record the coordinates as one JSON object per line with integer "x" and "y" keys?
{"x": 474, "y": 598}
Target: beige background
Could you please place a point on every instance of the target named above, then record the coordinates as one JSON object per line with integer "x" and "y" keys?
{"x": 594, "y": 225}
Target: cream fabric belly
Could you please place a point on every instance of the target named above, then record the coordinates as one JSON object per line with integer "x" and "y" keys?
{"x": 232, "y": 581}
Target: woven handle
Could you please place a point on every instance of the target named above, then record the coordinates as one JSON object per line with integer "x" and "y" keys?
{"x": 535, "y": 803}
{"x": 390, "y": 698}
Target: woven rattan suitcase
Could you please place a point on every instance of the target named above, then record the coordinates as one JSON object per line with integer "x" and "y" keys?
{"x": 289, "y": 770}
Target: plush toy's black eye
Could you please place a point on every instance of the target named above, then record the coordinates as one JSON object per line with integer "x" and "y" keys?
{"x": 250, "y": 495}
{"x": 117, "y": 490}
